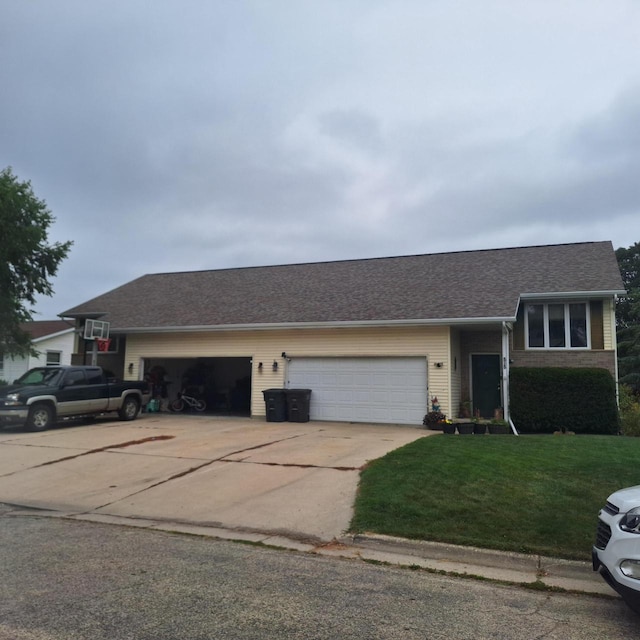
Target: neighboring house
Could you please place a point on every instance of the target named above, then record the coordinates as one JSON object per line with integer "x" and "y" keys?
{"x": 375, "y": 340}
{"x": 52, "y": 339}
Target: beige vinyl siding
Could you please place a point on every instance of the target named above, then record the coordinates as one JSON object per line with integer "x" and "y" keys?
{"x": 609, "y": 323}
{"x": 268, "y": 345}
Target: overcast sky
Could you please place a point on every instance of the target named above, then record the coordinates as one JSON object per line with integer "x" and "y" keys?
{"x": 174, "y": 135}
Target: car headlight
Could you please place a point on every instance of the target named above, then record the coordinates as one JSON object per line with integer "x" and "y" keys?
{"x": 631, "y": 568}
{"x": 11, "y": 400}
{"x": 631, "y": 521}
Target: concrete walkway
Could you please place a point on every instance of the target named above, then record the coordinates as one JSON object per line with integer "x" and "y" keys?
{"x": 286, "y": 485}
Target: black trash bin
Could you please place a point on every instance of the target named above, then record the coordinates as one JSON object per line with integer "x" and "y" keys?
{"x": 276, "y": 405}
{"x": 298, "y": 401}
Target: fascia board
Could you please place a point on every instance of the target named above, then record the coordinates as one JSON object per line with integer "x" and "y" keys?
{"x": 317, "y": 325}
{"x": 541, "y": 295}
{"x": 54, "y": 335}
{"x": 91, "y": 315}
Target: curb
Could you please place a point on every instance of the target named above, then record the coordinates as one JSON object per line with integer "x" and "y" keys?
{"x": 472, "y": 562}
{"x": 518, "y": 568}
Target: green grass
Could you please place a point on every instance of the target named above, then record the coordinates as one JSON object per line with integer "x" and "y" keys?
{"x": 533, "y": 494}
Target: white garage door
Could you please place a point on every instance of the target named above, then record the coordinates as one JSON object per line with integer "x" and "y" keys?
{"x": 392, "y": 390}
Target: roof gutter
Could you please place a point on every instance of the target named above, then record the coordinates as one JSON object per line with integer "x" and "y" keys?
{"x": 572, "y": 294}
{"x": 85, "y": 314}
{"x": 350, "y": 324}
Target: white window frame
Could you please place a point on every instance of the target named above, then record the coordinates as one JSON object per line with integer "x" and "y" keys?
{"x": 567, "y": 325}
{"x": 53, "y": 352}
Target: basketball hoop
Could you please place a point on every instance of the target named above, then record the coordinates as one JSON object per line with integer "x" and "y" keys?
{"x": 103, "y": 344}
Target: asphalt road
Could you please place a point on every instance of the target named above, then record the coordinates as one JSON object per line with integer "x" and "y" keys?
{"x": 62, "y": 579}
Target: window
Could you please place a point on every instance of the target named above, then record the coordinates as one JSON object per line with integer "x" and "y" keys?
{"x": 74, "y": 377}
{"x": 557, "y": 325}
{"x": 94, "y": 376}
{"x": 53, "y": 358}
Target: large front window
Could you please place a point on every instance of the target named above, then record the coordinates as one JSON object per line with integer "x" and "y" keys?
{"x": 556, "y": 325}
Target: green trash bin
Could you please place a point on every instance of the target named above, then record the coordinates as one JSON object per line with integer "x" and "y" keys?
{"x": 298, "y": 402}
{"x": 275, "y": 405}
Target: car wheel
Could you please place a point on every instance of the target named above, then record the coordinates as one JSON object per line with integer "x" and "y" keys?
{"x": 40, "y": 417}
{"x": 129, "y": 409}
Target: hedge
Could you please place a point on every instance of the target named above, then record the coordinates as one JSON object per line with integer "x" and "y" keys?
{"x": 549, "y": 399}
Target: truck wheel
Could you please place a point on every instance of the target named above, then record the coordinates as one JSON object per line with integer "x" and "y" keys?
{"x": 129, "y": 409}
{"x": 40, "y": 417}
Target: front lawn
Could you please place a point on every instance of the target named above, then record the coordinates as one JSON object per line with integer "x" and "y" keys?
{"x": 534, "y": 494}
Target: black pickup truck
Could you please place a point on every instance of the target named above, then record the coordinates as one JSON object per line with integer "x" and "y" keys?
{"x": 44, "y": 395}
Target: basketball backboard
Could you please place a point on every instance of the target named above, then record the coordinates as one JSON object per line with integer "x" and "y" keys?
{"x": 96, "y": 329}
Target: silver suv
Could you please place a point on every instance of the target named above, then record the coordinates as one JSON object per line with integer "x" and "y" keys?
{"x": 616, "y": 553}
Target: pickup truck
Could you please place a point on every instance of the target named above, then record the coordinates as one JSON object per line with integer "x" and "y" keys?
{"x": 45, "y": 395}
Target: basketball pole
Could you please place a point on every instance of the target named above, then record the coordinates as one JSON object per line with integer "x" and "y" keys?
{"x": 94, "y": 353}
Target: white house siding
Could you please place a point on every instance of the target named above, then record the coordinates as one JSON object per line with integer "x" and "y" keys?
{"x": 14, "y": 368}
{"x": 268, "y": 345}
{"x": 62, "y": 342}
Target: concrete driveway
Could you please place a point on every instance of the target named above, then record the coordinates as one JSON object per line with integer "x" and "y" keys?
{"x": 296, "y": 480}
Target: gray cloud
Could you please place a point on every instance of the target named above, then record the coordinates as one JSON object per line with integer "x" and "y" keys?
{"x": 194, "y": 135}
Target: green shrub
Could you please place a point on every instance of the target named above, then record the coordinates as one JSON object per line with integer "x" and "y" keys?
{"x": 629, "y": 412}
{"x": 549, "y": 399}
{"x": 3, "y": 383}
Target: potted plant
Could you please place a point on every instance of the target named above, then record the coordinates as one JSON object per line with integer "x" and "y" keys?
{"x": 448, "y": 426}
{"x": 434, "y": 420}
{"x": 499, "y": 427}
{"x": 465, "y": 409}
{"x": 479, "y": 428}
{"x": 465, "y": 428}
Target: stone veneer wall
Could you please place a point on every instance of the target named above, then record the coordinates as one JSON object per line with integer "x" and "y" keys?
{"x": 565, "y": 358}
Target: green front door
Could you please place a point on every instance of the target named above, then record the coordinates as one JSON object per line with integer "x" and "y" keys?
{"x": 485, "y": 383}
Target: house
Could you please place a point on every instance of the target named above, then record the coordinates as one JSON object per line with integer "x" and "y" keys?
{"x": 53, "y": 340}
{"x": 376, "y": 340}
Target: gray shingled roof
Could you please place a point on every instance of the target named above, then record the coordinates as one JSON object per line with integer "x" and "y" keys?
{"x": 456, "y": 286}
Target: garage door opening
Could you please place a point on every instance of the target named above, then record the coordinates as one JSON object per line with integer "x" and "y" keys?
{"x": 223, "y": 383}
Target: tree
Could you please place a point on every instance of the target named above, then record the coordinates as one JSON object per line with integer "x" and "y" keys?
{"x": 628, "y": 317}
{"x": 27, "y": 261}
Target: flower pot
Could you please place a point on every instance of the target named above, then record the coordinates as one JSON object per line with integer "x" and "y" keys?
{"x": 479, "y": 429}
{"x": 448, "y": 428}
{"x": 465, "y": 428}
{"x": 499, "y": 429}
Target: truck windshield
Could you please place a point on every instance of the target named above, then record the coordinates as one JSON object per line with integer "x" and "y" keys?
{"x": 42, "y": 375}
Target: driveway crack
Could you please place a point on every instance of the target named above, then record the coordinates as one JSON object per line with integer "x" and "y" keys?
{"x": 292, "y": 464}
{"x": 120, "y": 445}
{"x": 186, "y": 472}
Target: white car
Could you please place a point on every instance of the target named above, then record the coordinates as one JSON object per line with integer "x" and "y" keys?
{"x": 616, "y": 553}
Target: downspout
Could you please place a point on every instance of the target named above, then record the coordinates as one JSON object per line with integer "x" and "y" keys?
{"x": 505, "y": 375}
{"x": 614, "y": 339}
{"x": 505, "y": 370}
